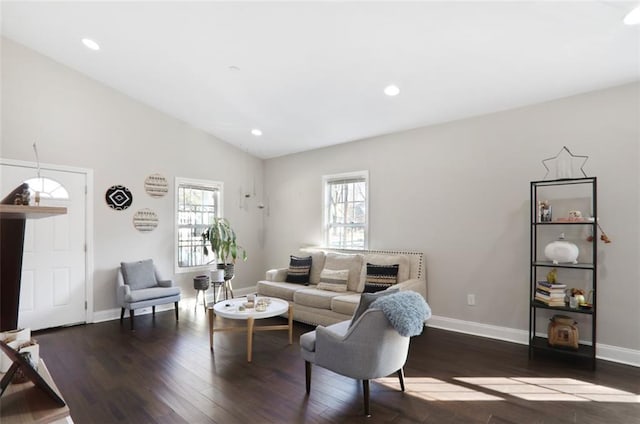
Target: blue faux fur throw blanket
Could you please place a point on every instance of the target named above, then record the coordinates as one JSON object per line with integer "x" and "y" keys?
{"x": 406, "y": 311}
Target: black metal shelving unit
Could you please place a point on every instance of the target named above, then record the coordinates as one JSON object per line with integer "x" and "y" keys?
{"x": 537, "y": 342}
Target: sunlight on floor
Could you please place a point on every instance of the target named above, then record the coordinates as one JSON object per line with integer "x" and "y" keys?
{"x": 434, "y": 389}
{"x": 552, "y": 389}
{"x": 532, "y": 389}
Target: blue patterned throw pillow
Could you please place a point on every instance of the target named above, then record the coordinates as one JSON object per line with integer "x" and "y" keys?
{"x": 299, "y": 270}
{"x": 380, "y": 277}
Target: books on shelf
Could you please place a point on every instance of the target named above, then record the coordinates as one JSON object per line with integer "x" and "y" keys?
{"x": 552, "y": 285}
{"x": 548, "y": 301}
{"x": 548, "y": 293}
{"x": 551, "y": 294}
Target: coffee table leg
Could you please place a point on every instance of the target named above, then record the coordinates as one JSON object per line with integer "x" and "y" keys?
{"x": 249, "y": 338}
{"x": 290, "y": 324}
{"x": 211, "y": 316}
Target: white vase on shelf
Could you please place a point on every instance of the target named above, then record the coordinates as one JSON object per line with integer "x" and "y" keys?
{"x": 562, "y": 251}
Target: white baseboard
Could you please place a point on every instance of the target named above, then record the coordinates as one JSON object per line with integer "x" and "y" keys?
{"x": 606, "y": 352}
{"x": 111, "y": 314}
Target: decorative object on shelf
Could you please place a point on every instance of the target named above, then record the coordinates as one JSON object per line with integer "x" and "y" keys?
{"x": 552, "y": 276}
{"x": 156, "y": 185}
{"x": 563, "y": 332}
{"x": 578, "y": 295}
{"x": 565, "y": 165}
{"x": 574, "y": 216}
{"x": 118, "y": 197}
{"x": 145, "y": 220}
{"x": 20, "y": 196}
{"x": 562, "y": 251}
{"x": 603, "y": 236}
{"x": 37, "y": 192}
{"x": 222, "y": 238}
{"x": 544, "y": 211}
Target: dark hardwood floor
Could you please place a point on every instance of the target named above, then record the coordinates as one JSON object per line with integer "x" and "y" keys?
{"x": 164, "y": 372}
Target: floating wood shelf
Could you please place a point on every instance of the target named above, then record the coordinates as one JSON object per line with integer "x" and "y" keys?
{"x": 29, "y": 212}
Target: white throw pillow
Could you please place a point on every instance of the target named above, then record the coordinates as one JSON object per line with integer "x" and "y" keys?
{"x": 334, "y": 280}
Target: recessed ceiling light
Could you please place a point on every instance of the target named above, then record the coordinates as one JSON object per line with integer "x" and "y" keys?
{"x": 391, "y": 90}
{"x": 90, "y": 44}
{"x": 256, "y": 132}
{"x": 633, "y": 17}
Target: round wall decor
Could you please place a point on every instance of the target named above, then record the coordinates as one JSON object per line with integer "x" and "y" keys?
{"x": 145, "y": 220}
{"x": 156, "y": 185}
{"x": 118, "y": 197}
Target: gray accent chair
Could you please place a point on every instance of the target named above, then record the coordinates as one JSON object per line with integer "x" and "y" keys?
{"x": 140, "y": 286}
{"x": 370, "y": 348}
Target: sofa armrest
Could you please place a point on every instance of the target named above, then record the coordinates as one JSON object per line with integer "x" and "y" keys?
{"x": 414, "y": 284}
{"x": 278, "y": 274}
{"x": 165, "y": 283}
{"x": 122, "y": 290}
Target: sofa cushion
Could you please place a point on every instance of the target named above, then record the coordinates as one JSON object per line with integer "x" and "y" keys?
{"x": 380, "y": 277}
{"x": 334, "y": 280}
{"x": 139, "y": 275}
{"x": 314, "y": 298}
{"x": 299, "y": 270}
{"x": 345, "y": 304}
{"x": 366, "y": 299}
{"x": 317, "y": 265}
{"x": 151, "y": 293}
{"x": 351, "y": 262}
{"x": 404, "y": 270}
{"x": 278, "y": 289}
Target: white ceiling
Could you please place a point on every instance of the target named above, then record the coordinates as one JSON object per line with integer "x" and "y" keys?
{"x": 311, "y": 74}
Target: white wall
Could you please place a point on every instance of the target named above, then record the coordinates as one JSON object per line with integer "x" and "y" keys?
{"x": 459, "y": 192}
{"x": 80, "y": 122}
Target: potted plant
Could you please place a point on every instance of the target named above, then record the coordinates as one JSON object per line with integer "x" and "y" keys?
{"x": 224, "y": 246}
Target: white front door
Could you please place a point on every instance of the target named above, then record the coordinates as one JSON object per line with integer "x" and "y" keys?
{"x": 53, "y": 285}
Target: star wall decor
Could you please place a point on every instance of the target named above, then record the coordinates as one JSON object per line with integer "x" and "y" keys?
{"x": 565, "y": 165}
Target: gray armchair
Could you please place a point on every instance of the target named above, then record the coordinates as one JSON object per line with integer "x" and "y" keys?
{"x": 140, "y": 286}
{"x": 370, "y": 348}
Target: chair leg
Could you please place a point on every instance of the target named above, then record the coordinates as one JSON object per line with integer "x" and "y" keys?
{"x": 121, "y": 314}
{"x": 307, "y": 374}
{"x": 400, "y": 373}
{"x": 131, "y": 314}
{"x": 176, "y": 308}
{"x": 365, "y": 387}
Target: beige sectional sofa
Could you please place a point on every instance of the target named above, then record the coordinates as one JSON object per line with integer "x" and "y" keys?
{"x": 324, "y": 307}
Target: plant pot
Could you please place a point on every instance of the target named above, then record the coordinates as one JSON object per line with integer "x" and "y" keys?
{"x": 201, "y": 282}
{"x": 228, "y": 270}
{"x": 217, "y": 275}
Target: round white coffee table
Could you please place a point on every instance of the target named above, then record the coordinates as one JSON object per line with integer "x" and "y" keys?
{"x": 231, "y": 309}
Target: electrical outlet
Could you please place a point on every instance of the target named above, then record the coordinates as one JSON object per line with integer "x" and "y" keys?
{"x": 471, "y": 299}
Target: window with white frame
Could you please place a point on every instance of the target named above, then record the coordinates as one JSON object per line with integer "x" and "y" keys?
{"x": 198, "y": 203}
{"x": 346, "y": 210}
